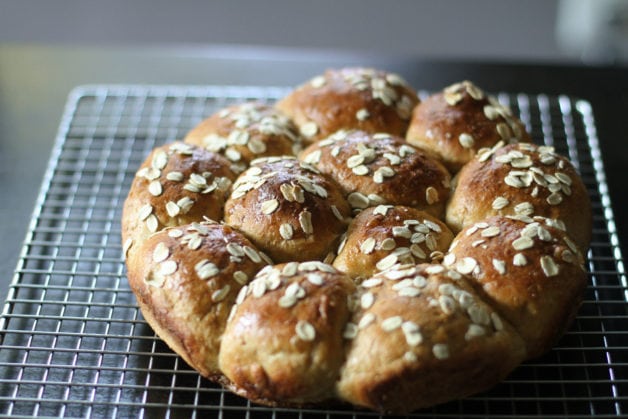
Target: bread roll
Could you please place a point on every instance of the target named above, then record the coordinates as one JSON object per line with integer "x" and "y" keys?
{"x": 422, "y": 336}
{"x": 186, "y": 280}
{"x": 529, "y": 271}
{"x": 288, "y": 209}
{"x": 521, "y": 179}
{"x": 457, "y": 122}
{"x": 383, "y": 236}
{"x": 246, "y": 131}
{"x": 376, "y": 169}
{"x": 350, "y": 98}
{"x": 177, "y": 184}
{"x": 284, "y": 339}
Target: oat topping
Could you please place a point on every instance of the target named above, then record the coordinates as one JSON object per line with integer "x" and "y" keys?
{"x": 167, "y": 267}
{"x": 314, "y": 157}
{"x": 144, "y": 212}
{"x": 318, "y": 82}
{"x": 309, "y": 129}
{"x": 160, "y": 253}
{"x": 362, "y": 114}
{"x": 367, "y": 300}
{"x": 466, "y": 140}
{"x": 474, "y": 331}
{"x": 366, "y": 320}
{"x": 387, "y": 262}
{"x": 431, "y": 195}
{"x": 221, "y": 294}
{"x": 305, "y": 331}
{"x": 391, "y": 323}
{"x": 522, "y": 243}
{"x": 155, "y": 188}
{"x": 305, "y": 220}
{"x": 269, "y": 206}
{"x": 544, "y": 178}
{"x": 175, "y": 233}
{"x": 368, "y": 245}
{"x": 466, "y": 265}
{"x": 500, "y": 266}
{"x": 152, "y": 223}
{"x": 440, "y": 351}
{"x": 160, "y": 160}
{"x": 206, "y": 269}
{"x": 519, "y": 260}
{"x": 491, "y": 231}
{"x": 358, "y": 200}
{"x": 372, "y": 282}
{"x": 286, "y": 231}
{"x": 127, "y": 246}
{"x": 549, "y": 266}
{"x": 240, "y": 277}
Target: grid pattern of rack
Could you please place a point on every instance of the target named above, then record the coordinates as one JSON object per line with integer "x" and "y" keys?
{"x": 74, "y": 343}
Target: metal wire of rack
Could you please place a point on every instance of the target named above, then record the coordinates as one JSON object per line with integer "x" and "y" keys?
{"x": 74, "y": 344}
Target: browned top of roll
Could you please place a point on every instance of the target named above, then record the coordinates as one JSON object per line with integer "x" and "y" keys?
{"x": 457, "y": 122}
{"x": 186, "y": 279}
{"x": 421, "y": 335}
{"x": 383, "y": 236}
{"x": 288, "y": 209}
{"x": 284, "y": 339}
{"x": 350, "y": 98}
{"x": 376, "y": 169}
{"x": 529, "y": 269}
{"x": 246, "y": 131}
{"x": 177, "y": 184}
{"x": 522, "y": 179}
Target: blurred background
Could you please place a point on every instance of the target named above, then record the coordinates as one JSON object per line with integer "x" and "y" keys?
{"x": 588, "y": 31}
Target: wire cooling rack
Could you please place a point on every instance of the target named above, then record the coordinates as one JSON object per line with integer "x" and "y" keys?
{"x": 74, "y": 343}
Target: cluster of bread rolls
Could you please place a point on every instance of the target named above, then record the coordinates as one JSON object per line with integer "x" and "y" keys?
{"x": 353, "y": 244}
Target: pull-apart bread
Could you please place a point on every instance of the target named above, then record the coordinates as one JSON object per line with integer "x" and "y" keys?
{"x": 351, "y": 244}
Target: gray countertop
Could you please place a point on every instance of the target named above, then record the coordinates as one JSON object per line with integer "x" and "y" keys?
{"x": 36, "y": 79}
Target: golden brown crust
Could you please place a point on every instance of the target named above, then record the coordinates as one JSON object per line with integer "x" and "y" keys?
{"x": 521, "y": 179}
{"x": 457, "y": 122}
{"x": 379, "y": 168}
{"x": 350, "y": 98}
{"x": 302, "y": 333}
{"x": 177, "y": 184}
{"x": 284, "y": 339}
{"x": 288, "y": 209}
{"x": 246, "y": 131}
{"x": 383, "y": 236}
{"x": 529, "y": 270}
{"x": 186, "y": 279}
{"x": 436, "y": 340}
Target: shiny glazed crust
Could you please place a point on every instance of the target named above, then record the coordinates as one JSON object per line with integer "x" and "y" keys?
{"x": 457, "y": 122}
{"x": 284, "y": 340}
{"x": 436, "y": 340}
{"x": 350, "y": 98}
{"x": 300, "y": 281}
{"x": 528, "y": 269}
{"x": 375, "y": 169}
{"x": 521, "y": 179}
{"x": 186, "y": 280}
{"x": 383, "y": 236}
{"x": 177, "y": 184}
{"x": 287, "y": 209}
{"x": 245, "y": 132}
